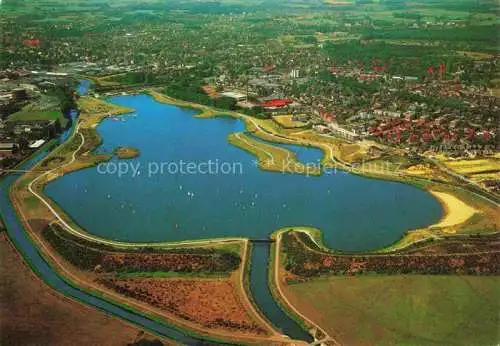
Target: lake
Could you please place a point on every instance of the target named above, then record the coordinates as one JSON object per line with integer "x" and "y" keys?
{"x": 354, "y": 213}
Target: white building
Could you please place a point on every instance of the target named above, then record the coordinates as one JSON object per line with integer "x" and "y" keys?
{"x": 234, "y": 95}
{"x": 344, "y": 133}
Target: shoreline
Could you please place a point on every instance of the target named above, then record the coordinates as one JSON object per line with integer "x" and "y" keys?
{"x": 456, "y": 211}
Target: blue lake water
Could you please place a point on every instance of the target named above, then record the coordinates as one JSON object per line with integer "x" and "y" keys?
{"x": 355, "y": 213}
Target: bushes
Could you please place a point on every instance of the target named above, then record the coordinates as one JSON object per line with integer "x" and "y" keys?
{"x": 176, "y": 262}
{"x": 302, "y": 261}
{"x": 86, "y": 255}
{"x": 82, "y": 257}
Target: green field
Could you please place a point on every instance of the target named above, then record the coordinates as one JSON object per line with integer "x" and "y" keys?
{"x": 404, "y": 310}
{"x": 37, "y": 115}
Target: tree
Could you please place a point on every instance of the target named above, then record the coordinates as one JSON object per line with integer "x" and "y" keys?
{"x": 226, "y": 103}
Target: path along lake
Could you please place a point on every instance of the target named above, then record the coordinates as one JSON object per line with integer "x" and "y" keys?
{"x": 354, "y": 213}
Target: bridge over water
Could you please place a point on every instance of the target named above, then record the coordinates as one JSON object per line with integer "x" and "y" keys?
{"x": 262, "y": 241}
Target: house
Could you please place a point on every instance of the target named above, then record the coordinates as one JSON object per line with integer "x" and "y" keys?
{"x": 7, "y": 149}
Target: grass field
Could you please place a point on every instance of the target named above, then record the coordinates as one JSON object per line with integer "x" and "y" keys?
{"x": 25, "y": 115}
{"x": 403, "y": 310}
{"x": 287, "y": 121}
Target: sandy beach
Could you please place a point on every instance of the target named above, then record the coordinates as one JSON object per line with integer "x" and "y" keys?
{"x": 456, "y": 211}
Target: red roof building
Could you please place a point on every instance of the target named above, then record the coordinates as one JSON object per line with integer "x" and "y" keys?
{"x": 276, "y": 103}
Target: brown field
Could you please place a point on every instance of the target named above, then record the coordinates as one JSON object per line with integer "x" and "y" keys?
{"x": 33, "y": 314}
{"x": 213, "y": 304}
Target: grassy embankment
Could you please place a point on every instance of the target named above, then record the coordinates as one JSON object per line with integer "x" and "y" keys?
{"x": 270, "y": 157}
{"x": 274, "y": 289}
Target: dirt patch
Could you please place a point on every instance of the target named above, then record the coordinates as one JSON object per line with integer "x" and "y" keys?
{"x": 213, "y": 304}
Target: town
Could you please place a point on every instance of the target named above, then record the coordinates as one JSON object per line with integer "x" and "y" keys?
{"x": 341, "y": 76}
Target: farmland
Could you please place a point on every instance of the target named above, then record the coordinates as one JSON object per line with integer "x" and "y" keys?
{"x": 473, "y": 167}
{"x": 403, "y": 310}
